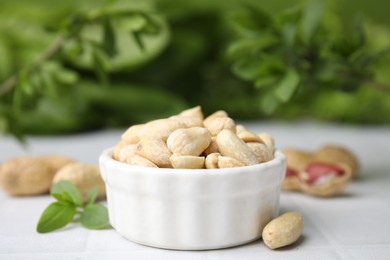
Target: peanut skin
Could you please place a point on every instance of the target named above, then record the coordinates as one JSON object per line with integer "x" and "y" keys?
{"x": 84, "y": 176}
{"x": 30, "y": 175}
{"x": 283, "y": 230}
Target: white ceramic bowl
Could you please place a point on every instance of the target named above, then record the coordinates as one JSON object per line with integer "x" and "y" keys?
{"x": 190, "y": 209}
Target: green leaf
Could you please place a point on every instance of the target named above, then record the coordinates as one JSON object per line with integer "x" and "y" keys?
{"x": 94, "y": 216}
{"x": 287, "y": 86}
{"x": 92, "y": 194}
{"x": 311, "y": 19}
{"x": 133, "y": 23}
{"x": 251, "y": 45}
{"x": 268, "y": 103}
{"x": 252, "y": 19}
{"x": 66, "y": 191}
{"x": 101, "y": 65}
{"x": 55, "y": 216}
{"x": 265, "y": 81}
{"x": 358, "y": 32}
{"x": 288, "y": 33}
{"x": 66, "y": 77}
{"x": 137, "y": 36}
{"x": 109, "y": 38}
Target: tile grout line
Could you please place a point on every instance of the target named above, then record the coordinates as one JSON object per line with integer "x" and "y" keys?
{"x": 339, "y": 250}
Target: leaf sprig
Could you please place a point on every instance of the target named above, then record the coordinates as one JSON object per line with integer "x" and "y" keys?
{"x": 295, "y": 54}
{"x": 70, "y": 207}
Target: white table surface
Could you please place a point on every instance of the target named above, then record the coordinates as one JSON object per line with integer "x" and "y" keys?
{"x": 355, "y": 225}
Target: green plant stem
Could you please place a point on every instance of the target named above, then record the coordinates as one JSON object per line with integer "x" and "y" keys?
{"x": 53, "y": 49}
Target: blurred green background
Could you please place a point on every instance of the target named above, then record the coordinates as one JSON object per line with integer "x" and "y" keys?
{"x": 186, "y": 62}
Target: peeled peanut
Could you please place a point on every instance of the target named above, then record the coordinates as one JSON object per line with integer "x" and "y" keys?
{"x": 218, "y": 124}
{"x": 155, "y": 150}
{"x": 131, "y": 135}
{"x": 188, "y": 121}
{"x": 125, "y": 152}
{"x": 193, "y": 112}
{"x": 268, "y": 140}
{"x": 228, "y": 162}
{"x": 231, "y": 145}
{"x": 24, "y": 176}
{"x": 240, "y": 128}
{"x": 283, "y": 230}
{"x": 263, "y": 153}
{"x": 247, "y": 136}
{"x": 187, "y": 161}
{"x": 189, "y": 141}
{"x": 83, "y": 176}
{"x": 134, "y": 159}
{"x": 211, "y": 161}
{"x": 122, "y": 143}
{"x": 213, "y": 146}
{"x": 160, "y": 128}
{"x": 219, "y": 113}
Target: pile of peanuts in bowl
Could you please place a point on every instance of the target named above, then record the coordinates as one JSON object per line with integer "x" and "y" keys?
{"x": 191, "y": 141}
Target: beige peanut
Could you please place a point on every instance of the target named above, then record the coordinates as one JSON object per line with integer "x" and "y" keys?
{"x": 195, "y": 112}
{"x": 189, "y": 141}
{"x": 213, "y": 146}
{"x": 126, "y": 152}
{"x": 83, "y": 176}
{"x": 211, "y": 161}
{"x": 160, "y": 128}
{"x": 228, "y": 162}
{"x": 219, "y": 113}
{"x": 135, "y": 159}
{"x": 30, "y": 175}
{"x": 240, "y": 128}
{"x": 248, "y": 136}
{"x": 283, "y": 230}
{"x": 262, "y": 152}
{"x": 220, "y": 123}
{"x": 232, "y": 146}
{"x": 187, "y": 122}
{"x": 155, "y": 150}
{"x": 187, "y": 161}
{"x": 268, "y": 140}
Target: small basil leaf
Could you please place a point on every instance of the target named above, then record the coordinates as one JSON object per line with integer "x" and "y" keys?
{"x": 92, "y": 194}
{"x": 55, "y": 216}
{"x": 94, "y": 216}
{"x": 66, "y": 191}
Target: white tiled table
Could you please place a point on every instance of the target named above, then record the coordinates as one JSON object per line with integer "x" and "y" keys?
{"x": 355, "y": 225}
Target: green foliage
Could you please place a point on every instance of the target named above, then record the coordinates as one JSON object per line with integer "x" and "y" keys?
{"x": 69, "y": 205}
{"x": 295, "y": 53}
{"x": 85, "y": 66}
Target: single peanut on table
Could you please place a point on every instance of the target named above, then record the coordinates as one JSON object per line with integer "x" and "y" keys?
{"x": 283, "y": 230}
